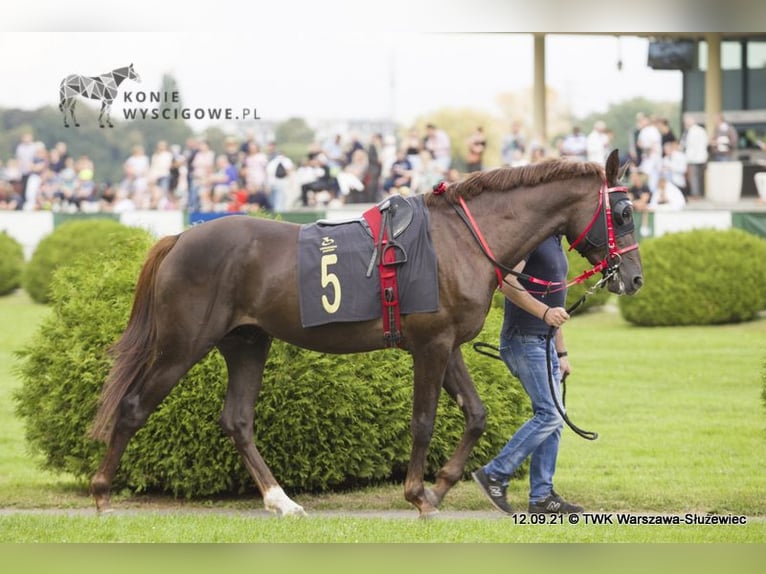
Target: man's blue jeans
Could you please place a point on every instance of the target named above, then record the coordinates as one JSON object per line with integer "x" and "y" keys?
{"x": 539, "y": 436}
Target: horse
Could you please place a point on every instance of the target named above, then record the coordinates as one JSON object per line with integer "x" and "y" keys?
{"x": 232, "y": 283}
{"x": 103, "y": 87}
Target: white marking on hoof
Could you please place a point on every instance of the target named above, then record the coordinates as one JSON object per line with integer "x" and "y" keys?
{"x": 275, "y": 500}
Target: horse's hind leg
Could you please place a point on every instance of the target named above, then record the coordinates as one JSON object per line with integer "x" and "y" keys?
{"x": 245, "y": 351}
{"x": 458, "y": 384}
{"x": 133, "y": 412}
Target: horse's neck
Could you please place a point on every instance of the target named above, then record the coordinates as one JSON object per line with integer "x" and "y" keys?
{"x": 118, "y": 76}
{"x": 517, "y": 221}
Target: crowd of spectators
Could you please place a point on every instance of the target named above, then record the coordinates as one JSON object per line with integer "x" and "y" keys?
{"x": 247, "y": 174}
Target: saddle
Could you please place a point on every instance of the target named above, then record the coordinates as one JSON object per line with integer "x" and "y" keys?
{"x": 384, "y": 223}
{"x": 400, "y": 213}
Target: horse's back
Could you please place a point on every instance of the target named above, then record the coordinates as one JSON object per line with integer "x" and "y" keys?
{"x": 231, "y": 255}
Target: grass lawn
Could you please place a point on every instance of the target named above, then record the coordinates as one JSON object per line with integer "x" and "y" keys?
{"x": 681, "y": 430}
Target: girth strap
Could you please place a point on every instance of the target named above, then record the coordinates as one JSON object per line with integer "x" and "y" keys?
{"x": 388, "y": 254}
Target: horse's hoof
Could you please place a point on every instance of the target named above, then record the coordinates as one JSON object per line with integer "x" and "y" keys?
{"x": 429, "y": 514}
{"x": 276, "y": 501}
{"x": 295, "y": 512}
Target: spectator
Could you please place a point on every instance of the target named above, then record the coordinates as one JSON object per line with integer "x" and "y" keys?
{"x": 438, "y": 143}
{"x": 575, "y": 145}
{"x": 597, "y": 143}
{"x": 221, "y": 183}
{"x": 278, "y": 174}
{"x": 674, "y": 165}
{"x": 694, "y": 143}
{"x": 136, "y": 181}
{"x": 635, "y": 150}
{"x": 429, "y": 174}
{"x": 400, "y": 180}
{"x": 514, "y": 145}
{"x": 10, "y": 199}
{"x": 35, "y": 177}
{"x": 159, "y": 168}
{"x": 650, "y": 143}
{"x": 254, "y": 168}
{"x": 666, "y": 132}
{"x": 59, "y": 156}
{"x": 667, "y": 197}
{"x": 374, "y": 169}
{"x": 724, "y": 140}
{"x": 25, "y": 155}
{"x": 412, "y": 146}
{"x": 477, "y": 145}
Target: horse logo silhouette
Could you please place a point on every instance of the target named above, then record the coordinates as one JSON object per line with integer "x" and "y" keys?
{"x": 103, "y": 87}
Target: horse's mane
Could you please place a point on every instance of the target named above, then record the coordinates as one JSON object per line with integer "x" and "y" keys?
{"x": 506, "y": 178}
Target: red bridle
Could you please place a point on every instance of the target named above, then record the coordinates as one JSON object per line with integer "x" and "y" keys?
{"x": 610, "y": 263}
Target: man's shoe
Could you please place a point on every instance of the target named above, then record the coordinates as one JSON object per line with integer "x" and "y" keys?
{"x": 554, "y": 504}
{"x": 494, "y": 490}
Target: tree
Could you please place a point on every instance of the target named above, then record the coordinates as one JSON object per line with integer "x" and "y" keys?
{"x": 294, "y": 131}
{"x": 293, "y": 137}
{"x": 459, "y": 124}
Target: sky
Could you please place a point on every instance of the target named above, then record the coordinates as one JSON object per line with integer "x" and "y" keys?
{"x": 398, "y": 75}
{"x": 341, "y": 58}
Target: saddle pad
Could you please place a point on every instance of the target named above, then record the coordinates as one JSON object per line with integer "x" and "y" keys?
{"x": 332, "y": 267}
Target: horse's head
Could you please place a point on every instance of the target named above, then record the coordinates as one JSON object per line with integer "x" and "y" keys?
{"x": 132, "y": 74}
{"x": 608, "y": 238}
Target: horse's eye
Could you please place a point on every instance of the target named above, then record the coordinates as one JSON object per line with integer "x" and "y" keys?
{"x": 623, "y": 213}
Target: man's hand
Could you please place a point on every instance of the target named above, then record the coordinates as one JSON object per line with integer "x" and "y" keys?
{"x": 555, "y": 316}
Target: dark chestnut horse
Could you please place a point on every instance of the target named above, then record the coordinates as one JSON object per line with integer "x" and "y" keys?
{"x": 232, "y": 284}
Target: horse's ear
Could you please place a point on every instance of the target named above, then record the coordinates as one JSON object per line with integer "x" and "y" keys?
{"x": 612, "y": 166}
{"x": 623, "y": 170}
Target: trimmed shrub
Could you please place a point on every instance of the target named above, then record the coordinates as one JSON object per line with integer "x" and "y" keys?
{"x": 11, "y": 263}
{"x": 701, "y": 277}
{"x": 64, "y": 244}
{"x": 322, "y": 421}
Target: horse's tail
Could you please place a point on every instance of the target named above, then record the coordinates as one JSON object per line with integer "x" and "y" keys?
{"x": 135, "y": 351}
{"x": 61, "y": 95}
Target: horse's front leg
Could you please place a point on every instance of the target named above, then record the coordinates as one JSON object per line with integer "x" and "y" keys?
{"x": 429, "y": 364}
{"x": 71, "y": 110}
{"x": 460, "y": 386}
{"x": 106, "y": 107}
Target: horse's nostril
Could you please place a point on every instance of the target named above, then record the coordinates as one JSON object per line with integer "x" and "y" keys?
{"x": 638, "y": 281}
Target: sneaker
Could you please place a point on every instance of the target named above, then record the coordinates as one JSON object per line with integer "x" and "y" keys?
{"x": 494, "y": 490}
{"x": 554, "y": 504}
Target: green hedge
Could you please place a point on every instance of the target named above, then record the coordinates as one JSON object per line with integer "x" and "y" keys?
{"x": 67, "y": 242}
{"x": 322, "y": 421}
{"x": 11, "y": 263}
{"x": 701, "y": 277}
